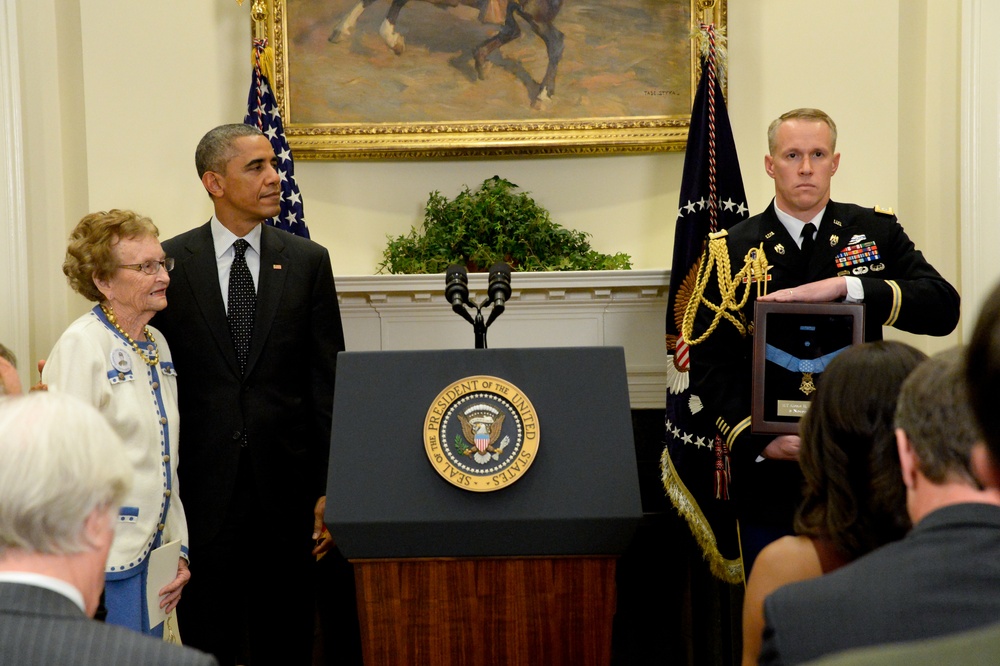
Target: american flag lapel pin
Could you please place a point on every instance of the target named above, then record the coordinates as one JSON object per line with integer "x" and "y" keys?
{"x": 276, "y": 267}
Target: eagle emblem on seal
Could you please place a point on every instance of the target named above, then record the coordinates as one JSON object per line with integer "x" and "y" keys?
{"x": 482, "y": 431}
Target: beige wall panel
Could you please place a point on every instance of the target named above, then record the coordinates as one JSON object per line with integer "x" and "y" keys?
{"x": 120, "y": 92}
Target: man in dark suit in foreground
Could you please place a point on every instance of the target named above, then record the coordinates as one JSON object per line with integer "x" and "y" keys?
{"x": 254, "y": 328}
{"x": 979, "y": 647}
{"x": 63, "y": 474}
{"x": 943, "y": 577}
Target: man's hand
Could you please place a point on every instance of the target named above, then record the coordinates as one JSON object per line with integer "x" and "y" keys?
{"x": 830, "y": 289}
{"x": 784, "y": 447}
{"x": 40, "y": 386}
{"x": 170, "y": 593}
{"x": 324, "y": 541}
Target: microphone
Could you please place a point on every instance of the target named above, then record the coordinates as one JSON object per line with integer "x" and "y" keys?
{"x": 456, "y": 288}
{"x": 499, "y": 284}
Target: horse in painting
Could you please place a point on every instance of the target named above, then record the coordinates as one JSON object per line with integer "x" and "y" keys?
{"x": 537, "y": 14}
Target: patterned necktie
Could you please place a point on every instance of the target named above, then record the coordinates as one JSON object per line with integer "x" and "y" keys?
{"x": 242, "y": 303}
{"x": 808, "y": 240}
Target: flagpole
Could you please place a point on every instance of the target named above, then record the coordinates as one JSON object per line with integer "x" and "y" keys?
{"x": 706, "y": 9}
{"x": 258, "y": 12}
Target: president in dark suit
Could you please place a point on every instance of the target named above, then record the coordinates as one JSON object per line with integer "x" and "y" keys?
{"x": 63, "y": 475}
{"x": 255, "y": 330}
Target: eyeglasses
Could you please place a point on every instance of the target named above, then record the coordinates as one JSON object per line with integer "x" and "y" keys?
{"x": 151, "y": 267}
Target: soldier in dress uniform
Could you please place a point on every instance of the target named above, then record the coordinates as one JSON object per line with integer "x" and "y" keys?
{"x": 803, "y": 248}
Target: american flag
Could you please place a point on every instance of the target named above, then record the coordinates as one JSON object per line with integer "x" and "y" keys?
{"x": 262, "y": 112}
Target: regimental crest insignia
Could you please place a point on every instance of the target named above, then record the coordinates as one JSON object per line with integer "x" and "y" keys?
{"x": 481, "y": 433}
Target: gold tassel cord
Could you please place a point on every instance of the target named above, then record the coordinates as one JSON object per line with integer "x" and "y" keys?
{"x": 754, "y": 270}
{"x": 265, "y": 57}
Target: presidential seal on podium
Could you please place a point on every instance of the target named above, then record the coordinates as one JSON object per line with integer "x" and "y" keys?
{"x": 481, "y": 433}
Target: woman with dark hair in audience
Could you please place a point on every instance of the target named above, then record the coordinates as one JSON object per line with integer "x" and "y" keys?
{"x": 853, "y": 495}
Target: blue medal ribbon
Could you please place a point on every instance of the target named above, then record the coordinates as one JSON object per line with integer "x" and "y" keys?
{"x": 807, "y": 366}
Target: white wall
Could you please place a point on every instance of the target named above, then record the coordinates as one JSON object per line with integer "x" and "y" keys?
{"x": 116, "y": 95}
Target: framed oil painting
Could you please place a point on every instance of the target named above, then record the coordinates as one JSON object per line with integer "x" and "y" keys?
{"x": 359, "y": 79}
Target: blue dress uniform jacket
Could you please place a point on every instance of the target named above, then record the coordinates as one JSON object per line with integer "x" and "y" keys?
{"x": 902, "y": 290}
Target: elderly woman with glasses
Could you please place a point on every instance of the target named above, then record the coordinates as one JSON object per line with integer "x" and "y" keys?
{"x": 113, "y": 359}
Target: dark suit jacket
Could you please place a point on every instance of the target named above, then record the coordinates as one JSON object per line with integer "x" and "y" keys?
{"x": 901, "y": 290}
{"x": 41, "y": 627}
{"x": 283, "y": 403}
{"x": 942, "y": 578}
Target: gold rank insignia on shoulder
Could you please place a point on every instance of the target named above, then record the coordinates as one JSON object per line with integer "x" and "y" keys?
{"x": 883, "y": 211}
{"x": 779, "y": 248}
{"x": 834, "y": 239}
{"x": 768, "y": 234}
{"x": 838, "y": 223}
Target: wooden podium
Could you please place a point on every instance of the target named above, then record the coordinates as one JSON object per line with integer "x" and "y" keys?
{"x": 522, "y": 575}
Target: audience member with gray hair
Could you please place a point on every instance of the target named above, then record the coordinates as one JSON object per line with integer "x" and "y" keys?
{"x": 63, "y": 475}
{"x": 943, "y": 577}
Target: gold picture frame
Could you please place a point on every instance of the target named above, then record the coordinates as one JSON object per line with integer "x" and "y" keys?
{"x": 350, "y": 96}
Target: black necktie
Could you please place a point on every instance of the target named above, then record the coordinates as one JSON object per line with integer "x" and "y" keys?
{"x": 808, "y": 241}
{"x": 242, "y": 303}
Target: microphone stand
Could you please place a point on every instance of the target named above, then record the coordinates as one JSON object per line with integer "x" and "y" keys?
{"x": 457, "y": 293}
{"x": 479, "y": 327}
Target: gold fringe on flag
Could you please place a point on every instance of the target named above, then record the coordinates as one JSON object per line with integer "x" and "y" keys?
{"x": 721, "y": 51}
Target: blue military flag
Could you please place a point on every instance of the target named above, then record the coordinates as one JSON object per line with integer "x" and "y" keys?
{"x": 262, "y": 112}
{"x": 694, "y": 464}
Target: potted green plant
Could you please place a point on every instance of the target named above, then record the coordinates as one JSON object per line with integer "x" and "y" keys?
{"x": 478, "y": 228}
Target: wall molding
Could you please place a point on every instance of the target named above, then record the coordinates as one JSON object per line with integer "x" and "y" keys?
{"x": 562, "y": 309}
{"x": 14, "y": 330}
{"x": 980, "y": 156}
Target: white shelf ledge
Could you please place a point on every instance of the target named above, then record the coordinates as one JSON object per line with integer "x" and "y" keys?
{"x": 559, "y": 309}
